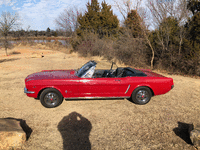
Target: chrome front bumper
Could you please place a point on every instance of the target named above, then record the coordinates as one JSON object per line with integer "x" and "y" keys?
{"x": 29, "y": 92}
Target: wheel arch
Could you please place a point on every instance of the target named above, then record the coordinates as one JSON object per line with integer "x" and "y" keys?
{"x": 41, "y": 90}
{"x": 151, "y": 90}
{"x": 146, "y": 87}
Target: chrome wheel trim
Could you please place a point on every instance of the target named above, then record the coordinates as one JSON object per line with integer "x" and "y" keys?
{"x": 51, "y": 99}
{"x": 142, "y": 95}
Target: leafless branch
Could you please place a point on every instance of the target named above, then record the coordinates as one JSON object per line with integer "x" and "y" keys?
{"x": 67, "y": 20}
{"x": 8, "y": 21}
{"x": 125, "y": 6}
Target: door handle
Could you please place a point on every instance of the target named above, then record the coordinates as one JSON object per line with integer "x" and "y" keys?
{"x": 117, "y": 80}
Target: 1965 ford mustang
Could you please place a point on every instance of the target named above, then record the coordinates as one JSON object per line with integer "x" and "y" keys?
{"x": 51, "y": 86}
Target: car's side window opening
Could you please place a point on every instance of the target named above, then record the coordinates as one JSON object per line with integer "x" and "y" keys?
{"x": 127, "y": 73}
{"x": 100, "y": 73}
{"x": 108, "y": 73}
{"x": 118, "y": 73}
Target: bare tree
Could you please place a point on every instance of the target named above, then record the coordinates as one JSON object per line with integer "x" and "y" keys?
{"x": 8, "y": 22}
{"x": 125, "y": 7}
{"x": 160, "y": 10}
{"x": 182, "y": 15}
{"x": 67, "y": 20}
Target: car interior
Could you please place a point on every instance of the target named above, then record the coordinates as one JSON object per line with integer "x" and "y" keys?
{"x": 119, "y": 72}
{"x": 88, "y": 71}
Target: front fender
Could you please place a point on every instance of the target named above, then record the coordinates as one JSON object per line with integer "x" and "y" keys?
{"x": 46, "y": 87}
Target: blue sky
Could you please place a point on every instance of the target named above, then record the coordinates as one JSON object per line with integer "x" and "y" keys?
{"x": 41, "y": 14}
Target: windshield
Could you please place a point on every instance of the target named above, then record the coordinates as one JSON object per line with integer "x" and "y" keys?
{"x": 85, "y": 68}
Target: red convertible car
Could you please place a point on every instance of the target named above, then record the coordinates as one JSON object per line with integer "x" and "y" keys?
{"x": 51, "y": 86}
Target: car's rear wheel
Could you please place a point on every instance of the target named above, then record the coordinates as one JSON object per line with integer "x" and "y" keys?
{"x": 51, "y": 98}
{"x": 141, "y": 95}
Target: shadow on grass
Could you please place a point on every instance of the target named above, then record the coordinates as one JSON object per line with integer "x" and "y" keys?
{"x": 12, "y": 59}
{"x": 75, "y": 131}
{"x": 15, "y": 52}
{"x": 183, "y": 131}
{"x": 24, "y": 126}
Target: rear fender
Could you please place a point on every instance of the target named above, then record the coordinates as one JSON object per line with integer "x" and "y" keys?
{"x": 141, "y": 85}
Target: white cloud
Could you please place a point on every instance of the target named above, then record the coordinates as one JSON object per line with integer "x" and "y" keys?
{"x": 7, "y": 2}
{"x": 15, "y": 8}
{"x": 28, "y": 1}
{"x": 27, "y": 4}
{"x": 41, "y": 15}
{"x": 13, "y": 2}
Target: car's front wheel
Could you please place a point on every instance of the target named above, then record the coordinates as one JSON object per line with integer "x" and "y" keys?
{"x": 141, "y": 95}
{"x": 51, "y": 98}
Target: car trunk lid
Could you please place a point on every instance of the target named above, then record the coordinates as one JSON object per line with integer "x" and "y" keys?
{"x": 149, "y": 73}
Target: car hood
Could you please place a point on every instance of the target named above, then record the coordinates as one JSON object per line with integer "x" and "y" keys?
{"x": 52, "y": 74}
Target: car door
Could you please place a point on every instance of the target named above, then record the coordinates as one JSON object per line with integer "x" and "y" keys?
{"x": 99, "y": 87}
{"x": 124, "y": 85}
{"x": 70, "y": 88}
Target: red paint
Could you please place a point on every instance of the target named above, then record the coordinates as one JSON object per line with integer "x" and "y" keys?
{"x": 66, "y": 80}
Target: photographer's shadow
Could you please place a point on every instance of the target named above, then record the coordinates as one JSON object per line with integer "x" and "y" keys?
{"x": 75, "y": 130}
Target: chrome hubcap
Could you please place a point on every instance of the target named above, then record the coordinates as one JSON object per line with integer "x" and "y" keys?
{"x": 142, "y": 95}
{"x": 51, "y": 98}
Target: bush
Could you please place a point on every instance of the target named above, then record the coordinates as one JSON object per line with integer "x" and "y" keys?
{"x": 90, "y": 44}
{"x": 128, "y": 50}
{"x": 131, "y": 51}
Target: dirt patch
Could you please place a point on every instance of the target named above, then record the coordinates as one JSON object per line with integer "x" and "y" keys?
{"x": 95, "y": 124}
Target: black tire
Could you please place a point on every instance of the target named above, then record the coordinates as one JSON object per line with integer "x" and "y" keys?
{"x": 141, "y": 95}
{"x": 51, "y": 98}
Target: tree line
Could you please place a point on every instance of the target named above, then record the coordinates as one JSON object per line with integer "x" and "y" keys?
{"x": 36, "y": 33}
{"x": 173, "y": 44}
{"x": 163, "y": 35}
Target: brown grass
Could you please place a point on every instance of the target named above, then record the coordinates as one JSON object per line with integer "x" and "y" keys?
{"x": 97, "y": 124}
{"x": 56, "y": 45}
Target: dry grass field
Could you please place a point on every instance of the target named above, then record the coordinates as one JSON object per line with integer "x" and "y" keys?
{"x": 96, "y": 124}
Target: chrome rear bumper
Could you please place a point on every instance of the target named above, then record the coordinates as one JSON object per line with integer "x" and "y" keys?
{"x": 29, "y": 92}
